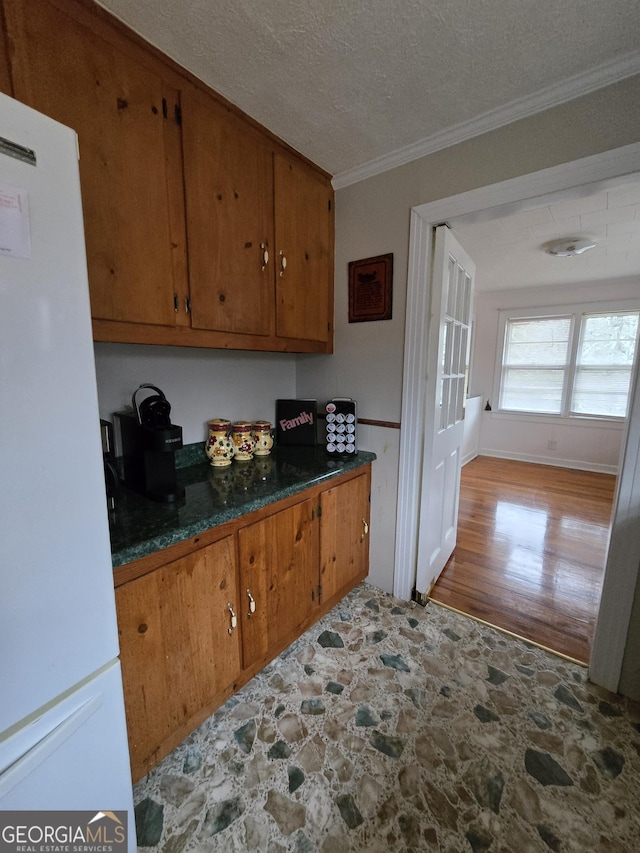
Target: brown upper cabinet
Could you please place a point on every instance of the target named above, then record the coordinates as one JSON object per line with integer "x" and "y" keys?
{"x": 259, "y": 229}
{"x": 202, "y": 228}
{"x": 302, "y": 268}
{"x": 229, "y": 199}
{"x": 127, "y": 153}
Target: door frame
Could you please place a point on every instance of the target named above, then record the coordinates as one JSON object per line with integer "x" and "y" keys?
{"x": 526, "y": 191}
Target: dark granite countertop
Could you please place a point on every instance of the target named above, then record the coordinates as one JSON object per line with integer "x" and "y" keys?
{"x": 139, "y": 526}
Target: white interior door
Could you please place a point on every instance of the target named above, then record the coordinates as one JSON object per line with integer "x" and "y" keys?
{"x": 448, "y": 351}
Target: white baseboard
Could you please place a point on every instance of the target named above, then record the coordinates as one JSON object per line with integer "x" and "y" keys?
{"x": 547, "y": 460}
{"x": 469, "y": 456}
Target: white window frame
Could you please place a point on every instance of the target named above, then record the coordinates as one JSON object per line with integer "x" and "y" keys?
{"x": 575, "y": 311}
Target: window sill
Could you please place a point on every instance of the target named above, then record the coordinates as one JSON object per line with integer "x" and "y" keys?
{"x": 562, "y": 420}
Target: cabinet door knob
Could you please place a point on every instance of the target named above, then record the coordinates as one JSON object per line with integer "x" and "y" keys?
{"x": 234, "y": 619}
{"x": 252, "y": 604}
{"x": 265, "y": 256}
{"x": 283, "y": 263}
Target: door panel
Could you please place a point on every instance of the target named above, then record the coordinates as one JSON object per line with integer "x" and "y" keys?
{"x": 344, "y": 529}
{"x": 279, "y": 558}
{"x": 228, "y": 187}
{"x": 451, "y": 299}
{"x": 177, "y": 652}
{"x": 303, "y": 235}
{"x": 127, "y": 149}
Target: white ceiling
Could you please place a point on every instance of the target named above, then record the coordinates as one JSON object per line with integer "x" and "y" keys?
{"x": 509, "y": 247}
{"x": 359, "y": 86}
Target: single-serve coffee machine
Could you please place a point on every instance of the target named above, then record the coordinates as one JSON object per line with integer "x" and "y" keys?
{"x": 146, "y": 441}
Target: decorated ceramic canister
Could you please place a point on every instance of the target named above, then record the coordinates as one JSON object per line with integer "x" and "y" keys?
{"x": 262, "y": 436}
{"x": 219, "y": 447}
{"x": 243, "y": 441}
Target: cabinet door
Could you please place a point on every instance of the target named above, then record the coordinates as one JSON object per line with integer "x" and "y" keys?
{"x": 175, "y": 647}
{"x": 229, "y": 191}
{"x": 128, "y": 149}
{"x": 279, "y": 561}
{"x": 303, "y": 216}
{"x": 344, "y": 533}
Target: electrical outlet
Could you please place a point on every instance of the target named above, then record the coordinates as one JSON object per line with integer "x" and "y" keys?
{"x": 551, "y": 445}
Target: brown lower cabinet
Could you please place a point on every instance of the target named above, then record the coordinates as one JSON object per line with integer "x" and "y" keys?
{"x": 200, "y": 619}
{"x": 279, "y": 558}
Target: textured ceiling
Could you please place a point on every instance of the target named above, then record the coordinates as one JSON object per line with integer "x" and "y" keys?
{"x": 347, "y": 82}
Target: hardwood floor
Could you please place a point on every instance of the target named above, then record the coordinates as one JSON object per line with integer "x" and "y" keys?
{"x": 532, "y": 543}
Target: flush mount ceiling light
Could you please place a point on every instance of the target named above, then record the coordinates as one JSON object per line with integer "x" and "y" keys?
{"x": 569, "y": 248}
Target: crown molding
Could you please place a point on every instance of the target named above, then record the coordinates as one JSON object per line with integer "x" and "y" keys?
{"x": 551, "y": 96}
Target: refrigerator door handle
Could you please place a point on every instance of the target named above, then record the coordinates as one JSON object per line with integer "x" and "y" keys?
{"x": 43, "y": 737}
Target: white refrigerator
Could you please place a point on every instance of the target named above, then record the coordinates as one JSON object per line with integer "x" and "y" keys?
{"x": 63, "y": 738}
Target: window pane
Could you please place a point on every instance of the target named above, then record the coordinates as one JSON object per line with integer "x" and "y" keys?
{"x": 459, "y": 414}
{"x": 445, "y": 391}
{"x": 538, "y": 342}
{"x": 444, "y": 344}
{"x": 604, "y": 361}
{"x": 608, "y": 339}
{"x": 464, "y": 345}
{"x": 526, "y": 390}
{"x": 455, "y": 354}
{"x": 451, "y": 288}
{"x": 598, "y": 391}
{"x": 463, "y": 292}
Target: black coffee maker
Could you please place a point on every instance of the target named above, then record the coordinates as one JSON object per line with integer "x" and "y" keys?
{"x": 148, "y": 442}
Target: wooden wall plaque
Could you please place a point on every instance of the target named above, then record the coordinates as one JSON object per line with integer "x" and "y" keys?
{"x": 370, "y": 289}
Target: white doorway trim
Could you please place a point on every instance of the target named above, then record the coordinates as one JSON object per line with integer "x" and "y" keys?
{"x": 573, "y": 178}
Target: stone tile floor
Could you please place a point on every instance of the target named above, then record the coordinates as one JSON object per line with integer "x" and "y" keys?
{"x": 392, "y": 727}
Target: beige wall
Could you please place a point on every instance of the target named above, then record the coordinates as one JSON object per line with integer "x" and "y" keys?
{"x": 372, "y": 218}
